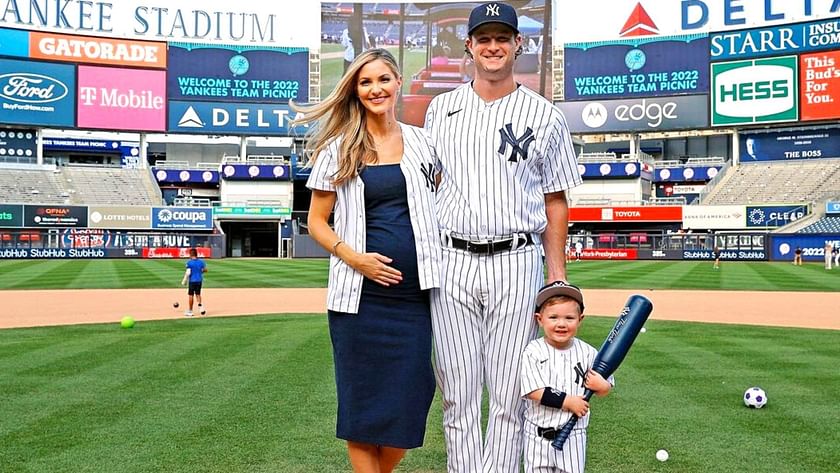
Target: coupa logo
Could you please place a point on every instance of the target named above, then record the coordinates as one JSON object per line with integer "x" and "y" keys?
{"x": 761, "y": 90}
{"x": 166, "y": 216}
{"x": 31, "y": 88}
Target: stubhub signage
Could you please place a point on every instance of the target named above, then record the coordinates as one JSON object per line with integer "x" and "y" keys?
{"x": 182, "y": 218}
{"x": 232, "y": 118}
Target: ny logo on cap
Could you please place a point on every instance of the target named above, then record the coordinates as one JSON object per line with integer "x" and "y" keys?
{"x": 492, "y": 9}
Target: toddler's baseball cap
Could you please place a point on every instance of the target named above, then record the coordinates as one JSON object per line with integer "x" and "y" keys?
{"x": 493, "y": 12}
{"x": 559, "y": 288}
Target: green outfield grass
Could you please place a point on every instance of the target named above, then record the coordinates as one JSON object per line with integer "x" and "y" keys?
{"x": 237, "y": 272}
{"x": 256, "y": 394}
{"x": 132, "y": 274}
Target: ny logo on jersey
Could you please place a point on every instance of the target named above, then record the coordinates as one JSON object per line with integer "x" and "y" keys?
{"x": 492, "y": 10}
{"x": 580, "y": 374}
{"x": 428, "y": 171}
{"x": 519, "y": 144}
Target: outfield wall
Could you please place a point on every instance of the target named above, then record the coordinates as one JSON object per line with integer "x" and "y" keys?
{"x": 92, "y": 243}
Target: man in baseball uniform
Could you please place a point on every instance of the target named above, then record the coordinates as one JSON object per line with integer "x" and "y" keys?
{"x": 555, "y": 373}
{"x": 505, "y": 160}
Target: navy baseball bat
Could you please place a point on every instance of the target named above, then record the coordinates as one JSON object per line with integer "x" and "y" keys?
{"x": 612, "y": 352}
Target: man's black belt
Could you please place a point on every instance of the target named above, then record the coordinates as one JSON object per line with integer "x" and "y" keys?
{"x": 488, "y": 247}
{"x": 547, "y": 432}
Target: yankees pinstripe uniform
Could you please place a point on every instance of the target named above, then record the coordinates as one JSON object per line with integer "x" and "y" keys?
{"x": 497, "y": 161}
{"x": 345, "y": 284}
{"x": 564, "y": 370}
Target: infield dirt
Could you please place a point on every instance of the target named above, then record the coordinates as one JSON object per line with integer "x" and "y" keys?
{"x": 30, "y": 308}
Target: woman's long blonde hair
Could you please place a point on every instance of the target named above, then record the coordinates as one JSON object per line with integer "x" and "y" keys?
{"x": 342, "y": 116}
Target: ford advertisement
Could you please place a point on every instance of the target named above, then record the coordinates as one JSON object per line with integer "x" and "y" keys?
{"x": 37, "y": 93}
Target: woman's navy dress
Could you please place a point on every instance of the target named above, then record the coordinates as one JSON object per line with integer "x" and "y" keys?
{"x": 383, "y": 354}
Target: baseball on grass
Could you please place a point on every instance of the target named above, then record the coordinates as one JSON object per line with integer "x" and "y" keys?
{"x": 127, "y": 322}
{"x": 643, "y": 330}
{"x": 175, "y": 304}
{"x": 662, "y": 455}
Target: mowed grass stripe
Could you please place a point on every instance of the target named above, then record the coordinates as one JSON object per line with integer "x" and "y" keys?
{"x": 226, "y": 390}
{"x": 246, "y": 394}
{"x": 51, "y": 274}
{"x": 138, "y": 273}
{"x": 115, "y": 359}
{"x": 789, "y": 277}
{"x": 679, "y": 365}
{"x": 237, "y": 272}
{"x": 197, "y": 370}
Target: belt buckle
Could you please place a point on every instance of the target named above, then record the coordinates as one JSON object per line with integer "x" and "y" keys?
{"x": 548, "y": 433}
{"x": 479, "y": 247}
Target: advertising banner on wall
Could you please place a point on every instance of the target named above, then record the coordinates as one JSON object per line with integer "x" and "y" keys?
{"x": 97, "y": 50}
{"x": 776, "y": 40}
{"x": 782, "y": 246}
{"x": 11, "y": 216}
{"x": 742, "y": 241}
{"x": 54, "y": 216}
{"x": 231, "y": 74}
{"x": 53, "y": 253}
{"x": 726, "y": 255}
{"x": 113, "y": 98}
{"x": 119, "y": 217}
{"x": 610, "y": 170}
{"x": 14, "y": 43}
{"x": 626, "y": 214}
{"x": 768, "y": 216}
{"x": 714, "y": 217}
{"x": 169, "y": 176}
{"x": 755, "y": 91}
{"x": 643, "y": 114}
{"x": 611, "y": 19}
{"x": 37, "y": 93}
{"x": 797, "y": 144}
{"x": 693, "y": 173}
{"x": 820, "y": 85}
{"x": 182, "y": 218}
{"x": 642, "y": 67}
{"x": 232, "y": 118}
{"x": 19, "y": 143}
{"x": 832, "y": 207}
{"x": 257, "y": 212}
{"x": 279, "y": 172}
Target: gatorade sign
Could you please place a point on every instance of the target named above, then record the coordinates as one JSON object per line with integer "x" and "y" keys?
{"x": 755, "y": 91}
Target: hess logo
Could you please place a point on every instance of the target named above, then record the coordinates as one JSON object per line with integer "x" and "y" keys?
{"x": 755, "y": 90}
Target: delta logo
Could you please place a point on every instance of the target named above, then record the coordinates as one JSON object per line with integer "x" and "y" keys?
{"x": 639, "y": 23}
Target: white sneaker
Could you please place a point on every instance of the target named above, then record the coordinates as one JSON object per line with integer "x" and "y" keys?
{"x": 188, "y": 313}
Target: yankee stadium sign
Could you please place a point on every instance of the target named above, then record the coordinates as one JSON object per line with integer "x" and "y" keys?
{"x": 209, "y": 21}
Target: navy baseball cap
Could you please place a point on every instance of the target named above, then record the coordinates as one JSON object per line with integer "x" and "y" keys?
{"x": 559, "y": 288}
{"x": 493, "y": 12}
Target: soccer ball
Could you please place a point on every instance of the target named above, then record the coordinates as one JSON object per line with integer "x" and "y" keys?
{"x": 755, "y": 397}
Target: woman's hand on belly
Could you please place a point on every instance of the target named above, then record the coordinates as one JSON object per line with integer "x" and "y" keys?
{"x": 374, "y": 266}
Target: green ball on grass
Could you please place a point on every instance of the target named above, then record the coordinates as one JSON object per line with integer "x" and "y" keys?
{"x": 127, "y": 322}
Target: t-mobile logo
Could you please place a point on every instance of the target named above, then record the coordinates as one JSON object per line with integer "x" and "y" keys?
{"x": 88, "y": 95}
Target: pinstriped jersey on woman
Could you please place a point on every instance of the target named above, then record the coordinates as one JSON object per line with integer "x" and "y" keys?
{"x": 532, "y": 155}
{"x": 417, "y": 165}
